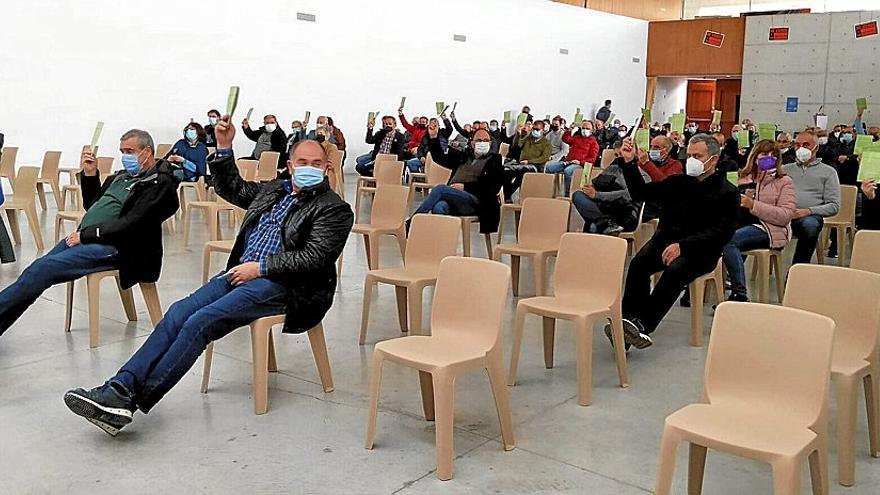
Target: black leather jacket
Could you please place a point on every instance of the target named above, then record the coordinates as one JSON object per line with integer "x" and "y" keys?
{"x": 315, "y": 231}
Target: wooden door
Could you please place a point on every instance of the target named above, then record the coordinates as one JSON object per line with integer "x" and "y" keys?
{"x": 700, "y": 101}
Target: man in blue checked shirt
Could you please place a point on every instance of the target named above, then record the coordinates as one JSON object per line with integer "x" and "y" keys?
{"x": 283, "y": 261}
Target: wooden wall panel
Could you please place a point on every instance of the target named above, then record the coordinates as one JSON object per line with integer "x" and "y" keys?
{"x": 650, "y": 10}
{"x": 675, "y": 48}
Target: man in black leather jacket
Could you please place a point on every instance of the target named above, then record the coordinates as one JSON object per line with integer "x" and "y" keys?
{"x": 282, "y": 262}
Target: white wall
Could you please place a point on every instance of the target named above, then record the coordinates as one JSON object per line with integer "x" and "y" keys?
{"x": 154, "y": 65}
{"x": 669, "y": 97}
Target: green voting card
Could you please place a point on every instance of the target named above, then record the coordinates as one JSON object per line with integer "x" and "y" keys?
{"x": 250, "y": 112}
{"x": 861, "y": 104}
{"x": 578, "y": 117}
{"x": 306, "y": 120}
{"x": 95, "y": 137}
{"x": 506, "y": 116}
{"x": 371, "y": 118}
{"x": 869, "y": 166}
{"x": 767, "y": 131}
{"x": 742, "y": 139}
{"x": 232, "y": 100}
{"x": 646, "y": 113}
{"x": 676, "y": 122}
{"x": 588, "y": 175}
{"x": 402, "y": 101}
{"x": 440, "y": 106}
{"x": 521, "y": 119}
{"x": 733, "y": 178}
{"x": 863, "y": 141}
{"x": 643, "y": 139}
{"x": 716, "y": 117}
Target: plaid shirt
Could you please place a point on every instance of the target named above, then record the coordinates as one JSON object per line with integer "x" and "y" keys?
{"x": 265, "y": 238}
{"x": 385, "y": 146}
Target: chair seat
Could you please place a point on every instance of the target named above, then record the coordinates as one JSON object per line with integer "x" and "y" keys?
{"x": 269, "y": 320}
{"x": 12, "y": 204}
{"x": 512, "y": 206}
{"x": 225, "y": 245}
{"x": 367, "y": 228}
{"x": 848, "y": 361}
{"x": 520, "y": 250}
{"x": 428, "y": 352}
{"x": 404, "y": 275}
{"x": 754, "y": 432}
{"x": 208, "y": 204}
{"x": 70, "y": 215}
{"x": 837, "y": 223}
{"x": 556, "y": 307}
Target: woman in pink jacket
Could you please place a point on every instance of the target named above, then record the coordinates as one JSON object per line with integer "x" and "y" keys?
{"x": 768, "y": 206}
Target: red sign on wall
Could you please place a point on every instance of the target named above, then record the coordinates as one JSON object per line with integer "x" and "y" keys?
{"x": 714, "y": 39}
{"x": 779, "y": 33}
{"x": 865, "y": 29}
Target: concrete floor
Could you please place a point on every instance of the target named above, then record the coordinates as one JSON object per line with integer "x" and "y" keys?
{"x": 312, "y": 442}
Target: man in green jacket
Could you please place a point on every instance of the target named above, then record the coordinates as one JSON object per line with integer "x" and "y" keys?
{"x": 535, "y": 153}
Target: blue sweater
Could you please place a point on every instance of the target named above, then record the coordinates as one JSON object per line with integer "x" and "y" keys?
{"x": 196, "y": 164}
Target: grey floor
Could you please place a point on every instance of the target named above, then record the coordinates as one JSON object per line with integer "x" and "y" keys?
{"x": 312, "y": 442}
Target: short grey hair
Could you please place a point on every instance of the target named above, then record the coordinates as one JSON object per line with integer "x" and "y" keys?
{"x": 783, "y": 135}
{"x": 710, "y": 142}
{"x": 143, "y": 137}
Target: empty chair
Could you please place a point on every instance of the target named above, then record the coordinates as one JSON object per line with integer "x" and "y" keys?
{"x": 105, "y": 165}
{"x": 465, "y": 334}
{"x": 697, "y": 289}
{"x": 7, "y": 163}
{"x": 534, "y": 185}
{"x": 334, "y": 172}
{"x": 766, "y": 264}
{"x": 162, "y": 150}
{"x": 587, "y": 289}
{"x": 49, "y": 174}
{"x": 385, "y": 172}
{"x": 198, "y": 186}
{"x": 267, "y": 166}
{"x": 387, "y": 218}
{"x": 865, "y": 249}
{"x": 764, "y": 397}
{"x": 850, "y": 298}
{"x": 844, "y": 222}
{"x": 212, "y": 211}
{"x": 434, "y": 175}
{"x": 543, "y": 223}
{"x": 431, "y": 238}
{"x": 23, "y": 199}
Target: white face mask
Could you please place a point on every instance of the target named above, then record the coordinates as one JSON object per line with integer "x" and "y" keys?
{"x": 271, "y": 127}
{"x": 212, "y": 120}
{"x": 823, "y": 140}
{"x": 622, "y": 133}
{"x": 803, "y": 155}
{"x": 694, "y": 167}
{"x": 586, "y": 132}
{"x": 482, "y": 148}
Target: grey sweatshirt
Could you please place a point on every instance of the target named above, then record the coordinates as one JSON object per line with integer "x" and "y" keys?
{"x": 817, "y": 187}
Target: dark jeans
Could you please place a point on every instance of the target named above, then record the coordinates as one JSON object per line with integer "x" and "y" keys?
{"x": 447, "y": 200}
{"x": 744, "y": 239}
{"x": 61, "y": 264}
{"x": 7, "y": 254}
{"x": 806, "y": 230}
{"x": 208, "y": 314}
{"x": 513, "y": 177}
{"x": 595, "y": 219}
{"x": 364, "y": 165}
{"x": 649, "y": 306}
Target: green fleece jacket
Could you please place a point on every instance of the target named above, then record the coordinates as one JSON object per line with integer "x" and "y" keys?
{"x": 535, "y": 151}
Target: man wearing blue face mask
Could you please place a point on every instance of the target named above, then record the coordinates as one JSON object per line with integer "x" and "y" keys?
{"x": 282, "y": 262}
{"x": 121, "y": 229}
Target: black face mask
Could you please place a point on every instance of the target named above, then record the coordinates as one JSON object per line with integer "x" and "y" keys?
{"x": 389, "y": 128}
{"x": 319, "y": 138}
{"x": 423, "y": 126}
{"x": 554, "y": 127}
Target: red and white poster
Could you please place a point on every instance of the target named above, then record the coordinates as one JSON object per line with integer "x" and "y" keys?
{"x": 865, "y": 29}
{"x": 713, "y": 39}
{"x": 779, "y": 33}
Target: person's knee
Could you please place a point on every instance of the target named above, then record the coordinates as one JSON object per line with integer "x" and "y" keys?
{"x": 441, "y": 208}
{"x": 570, "y": 170}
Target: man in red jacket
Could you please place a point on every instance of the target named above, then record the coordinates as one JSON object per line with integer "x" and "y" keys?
{"x": 416, "y": 130}
{"x": 658, "y": 161}
{"x": 583, "y": 148}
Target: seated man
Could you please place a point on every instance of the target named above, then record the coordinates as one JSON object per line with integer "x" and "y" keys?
{"x": 658, "y": 161}
{"x": 416, "y": 132}
{"x": 558, "y": 148}
{"x": 269, "y": 137}
{"x": 818, "y": 195}
{"x": 786, "y": 150}
{"x": 121, "y": 230}
{"x": 388, "y": 140}
{"x": 473, "y": 187}
{"x": 283, "y": 261}
{"x": 583, "y": 148}
{"x": 534, "y": 153}
{"x": 699, "y": 215}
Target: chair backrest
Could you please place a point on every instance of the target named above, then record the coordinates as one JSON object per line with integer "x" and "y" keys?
{"x": 577, "y": 180}
{"x": 503, "y": 149}
{"x": 865, "y": 251}
{"x": 847, "y": 212}
{"x": 51, "y": 163}
{"x": 247, "y": 168}
{"x": 607, "y": 158}
{"x": 772, "y": 358}
{"x": 105, "y": 165}
{"x": 162, "y": 150}
{"x": 267, "y": 166}
{"x": 537, "y": 185}
{"x": 25, "y": 183}
{"x": 388, "y": 172}
{"x": 473, "y": 316}
{"x": 385, "y": 157}
{"x": 590, "y": 266}
{"x": 543, "y": 221}
{"x": 389, "y": 205}
{"x": 847, "y": 296}
{"x": 431, "y": 238}
{"x": 7, "y": 162}
{"x": 429, "y": 162}
{"x": 335, "y": 172}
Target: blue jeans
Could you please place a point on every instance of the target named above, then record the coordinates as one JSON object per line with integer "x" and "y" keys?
{"x": 744, "y": 239}
{"x": 61, "y": 264}
{"x": 589, "y": 211}
{"x": 807, "y": 232}
{"x": 446, "y": 200}
{"x": 208, "y": 314}
{"x": 364, "y": 164}
{"x": 414, "y": 164}
{"x": 554, "y": 167}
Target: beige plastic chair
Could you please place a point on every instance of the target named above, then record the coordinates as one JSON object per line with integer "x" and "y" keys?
{"x": 335, "y": 172}
{"x": 844, "y": 222}
{"x": 49, "y": 174}
{"x": 247, "y": 168}
{"x": 607, "y": 158}
{"x": 76, "y": 215}
{"x": 386, "y": 218}
{"x": 587, "y": 289}
{"x": 534, "y": 185}
{"x": 198, "y": 187}
{"x": 865, "y": 249}
{"x": 766, "y": 264}
{"x": 420, "y": 177}
{"x": 7, "y": 162}
{"x": 264, "y": 359}
{"x": 435, "y": 175}
{"x": 697, "y": 290}
{"x": 544, "y": 221}
{"x": 503, "y": 150}
{"x": 466, "y": 223}
{"x": 23, "y": 199}
{"x": 105, "y": 165}
{"x": 93, "y": 284}
{"x": 431, "y": 238}
{"x": 214, "y": 247}
{"x": 267, "y": 166}
{"x": 211, "y": 210}
{"x": 162, "y": 150}
{"x": 385, "y": 172}
{"x": 641, "y": 235}
{"x": 466, "y": 333}
{"x": 71, "y": 174}
{"x": 385, "y": 157}
{"x": 774, "y": 409}
{"x": 850, "y": 298}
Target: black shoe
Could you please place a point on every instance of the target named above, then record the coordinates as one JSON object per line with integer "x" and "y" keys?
{"x": 633, "y": 334}
{"x": 738, "y": 297}
{"x": 685, "y": 301}
{"x": 626, "y": 346}
{"x": 612, "y": 229}
{"x": 109, "y": 407}
{"x": 832, "y": 254}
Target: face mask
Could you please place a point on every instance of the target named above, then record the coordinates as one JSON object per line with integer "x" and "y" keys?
{"x": 493, "y": 127}
{"x": 586, "y": 132}
{"x": 271, "y": 127}
{"x": 297, "y": 129}
{"x": 307, "y": 176}
{"x": 822, "y": 140}
{"x": 622, "y": 133}
{"x": 130, "y": 163}
{"x": 212, "y": 120}
{"x": 785, "y": 150}
{"x": 694, "y": 167}
{"x": 655, "y": 155}
{"x": 836, "y": 133}
{"x": 320, "y": 138}
{"x": 389, "y": 128}
{"x": 423, "y": 126}
{"x": 803, "y": 155}
{"x": 845, "y": 138}
{"x": 554, "y": 127}
{"x": 536, "y": 134}
{"x": 766, "y": 163}
{"x": 482, "y": 148}
{"x": 191, "y": 134}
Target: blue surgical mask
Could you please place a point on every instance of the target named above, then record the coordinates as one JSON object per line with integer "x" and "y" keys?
{"x": 536, "y": 134}
{"x": 655, "y": 155}
{"x": 846, "y": 137}
{"x": 493, "y": 128}
{"x": 131, "y": 164}
{"x": 191, "y": 134}
{"x": 307, "y": 176}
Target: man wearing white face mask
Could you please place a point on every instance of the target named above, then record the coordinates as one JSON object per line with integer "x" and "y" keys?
{"x": 121, "y": 229}
{"x": 699, "y": 214}
{"x": 269, "y": 137}
{"x": 818, "y": 195}
{"x": 283, "y": 262}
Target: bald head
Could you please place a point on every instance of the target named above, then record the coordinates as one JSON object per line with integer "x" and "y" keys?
{"x": 307, "y": 152}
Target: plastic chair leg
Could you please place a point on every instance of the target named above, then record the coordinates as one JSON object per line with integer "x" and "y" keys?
{"x": 518, "y": 324}
{"x": 369, "y": 286}
{"x": 696, "y": 468}
{"x": 401, "y": 296}
{"x": 206, "y": 369}
{"x": 495, "y": 369}
{"x": 322, "y": 360}
{"x": 444, "y": 397}
{"x": 584, "y": 362}
{"x": 549, "y": 340}
{"x": 375, "y": 384}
